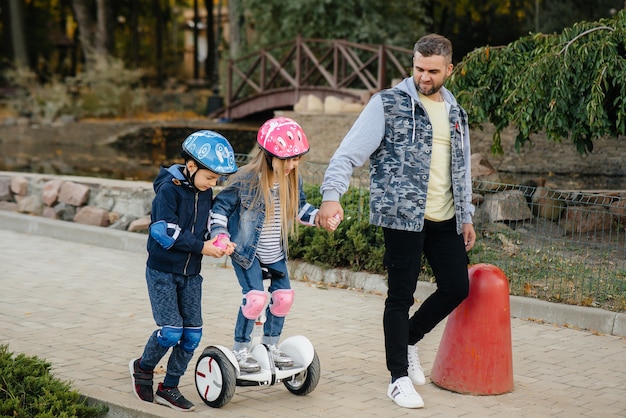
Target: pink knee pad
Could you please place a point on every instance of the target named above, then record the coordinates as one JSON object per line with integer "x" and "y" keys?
{"x": 255, "y": 302}
{"x": 282, "y": 299}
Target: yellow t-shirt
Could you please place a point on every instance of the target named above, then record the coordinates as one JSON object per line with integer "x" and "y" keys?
{"x": 439, "y": 200}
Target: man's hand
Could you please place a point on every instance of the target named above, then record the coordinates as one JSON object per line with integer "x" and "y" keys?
{"x": 469, "y": 236}
{"x": 329, "y": 215}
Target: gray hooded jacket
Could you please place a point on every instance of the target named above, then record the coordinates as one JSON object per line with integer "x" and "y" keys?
{"x": 395, "y": 133}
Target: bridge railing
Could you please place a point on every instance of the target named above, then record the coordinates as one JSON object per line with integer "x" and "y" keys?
{"x": 307, "y": 66}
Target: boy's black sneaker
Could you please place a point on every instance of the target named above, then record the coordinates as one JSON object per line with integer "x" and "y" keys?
{"x": 142, "y": 381}
{"x": 173, "y": 398}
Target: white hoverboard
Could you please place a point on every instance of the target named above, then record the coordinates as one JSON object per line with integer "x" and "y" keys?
{"x": 217, "y": 370}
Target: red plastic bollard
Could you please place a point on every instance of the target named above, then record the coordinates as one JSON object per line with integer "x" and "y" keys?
{"x": 475, "y": 355}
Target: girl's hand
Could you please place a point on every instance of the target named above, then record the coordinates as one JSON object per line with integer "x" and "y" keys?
{"x": 223, "y": 241}
{"x": 212, "y": 250}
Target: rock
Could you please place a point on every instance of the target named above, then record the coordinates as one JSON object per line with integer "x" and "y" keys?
{"x": 483, "y": 170}
{"x": 506, "y": 206}
{"x": 65, "y": 212}
{"x": 586, "y": 219}
{"x": 91, "y": 215}
{"x": 10, "y": 206}
{"x": 5, "y": 190}
{"x": 31, "y": 204}
{"x": 123, "y": 222}
{"x": 618, "y": 211}
{"x": 547, "y": 204}
{"x": 19, "y": 185}
{"x": 74, "y": 194}
{"x": 140, "y": 225}
{"x": 51, "y": 190}
{"x": 49, "y": 212}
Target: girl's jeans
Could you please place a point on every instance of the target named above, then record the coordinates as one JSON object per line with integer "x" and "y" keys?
{"x": 176, "y": 302}
{"x": 252, "y": 279}
{"x": 445, "y": 251}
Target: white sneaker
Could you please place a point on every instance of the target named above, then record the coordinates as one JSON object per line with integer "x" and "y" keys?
{"x": 416, "y": 372}
{"x": 247, "y": 364}
{"x": 403, "y": 393}
{"x": 280, "y": 359}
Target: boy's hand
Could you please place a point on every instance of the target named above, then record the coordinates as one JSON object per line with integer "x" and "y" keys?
{"x": 223, "y": 242}
{"x": 211, "y": 250}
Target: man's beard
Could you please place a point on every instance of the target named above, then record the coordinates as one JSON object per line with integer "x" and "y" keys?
{"x": 430, "y": 91}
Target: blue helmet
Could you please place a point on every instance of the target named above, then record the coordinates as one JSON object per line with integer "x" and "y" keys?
{"x": 211, "y": 151}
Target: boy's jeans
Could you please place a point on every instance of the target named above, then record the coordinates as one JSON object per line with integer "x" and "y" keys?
{"x": 176, "y": 302}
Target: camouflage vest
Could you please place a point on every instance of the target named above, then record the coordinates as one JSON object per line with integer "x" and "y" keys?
{"x": 399, "y": 168}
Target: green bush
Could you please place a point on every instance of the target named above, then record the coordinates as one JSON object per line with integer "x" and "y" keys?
{"x": 27, "y": 389}
{"x": 33, "y": 99}
{"x": 355, "y": 244}
{"x": 108, "y": 90}
{"x": 105, "y": 90}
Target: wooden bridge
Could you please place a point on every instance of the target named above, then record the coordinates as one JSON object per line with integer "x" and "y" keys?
{"x": 277, "y": 77}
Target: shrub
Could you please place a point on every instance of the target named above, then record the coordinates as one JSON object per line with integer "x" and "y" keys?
{"x": 108, "y": 90}
{"x": 27, "y": 389}
{"x": 32, "y": 99}
{"x": 105, "y": 90}
{"x": 355, "y": 244}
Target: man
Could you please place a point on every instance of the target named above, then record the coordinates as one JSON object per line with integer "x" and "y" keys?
{"x": 416, "y": 137}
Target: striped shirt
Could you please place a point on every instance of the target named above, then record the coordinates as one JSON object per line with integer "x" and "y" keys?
{"x": 270, "y": 248}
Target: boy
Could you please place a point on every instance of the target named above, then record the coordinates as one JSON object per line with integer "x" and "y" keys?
{"x": 176, "y": 243}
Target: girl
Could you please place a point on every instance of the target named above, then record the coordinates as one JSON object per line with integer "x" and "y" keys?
{"x": 257, "y": 210}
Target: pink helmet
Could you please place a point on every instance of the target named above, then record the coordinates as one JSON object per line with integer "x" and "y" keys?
{"x": 283, "y": 138}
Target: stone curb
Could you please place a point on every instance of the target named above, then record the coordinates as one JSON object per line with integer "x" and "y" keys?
{"x": 577, "y": 317}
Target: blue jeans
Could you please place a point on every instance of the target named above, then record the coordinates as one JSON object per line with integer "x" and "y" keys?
{"x": 252, "y": 279}
{"x": 176, "y": 302}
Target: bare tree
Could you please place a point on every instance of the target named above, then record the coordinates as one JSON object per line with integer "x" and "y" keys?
{"x": 95, "y": 34}
{"x": 236, "y": 23}
{"x": 20, "y": 53}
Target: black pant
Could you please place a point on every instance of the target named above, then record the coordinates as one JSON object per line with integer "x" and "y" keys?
{"x": 445, "y": 251}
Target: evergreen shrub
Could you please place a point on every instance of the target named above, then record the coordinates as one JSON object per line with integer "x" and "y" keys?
{"x": 355, "y": 244}
{"x": 28, "y": 389}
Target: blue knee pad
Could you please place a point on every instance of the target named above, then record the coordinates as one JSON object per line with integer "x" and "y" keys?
{"x": 191, "y": 339}
{"x": 169, "y": 336}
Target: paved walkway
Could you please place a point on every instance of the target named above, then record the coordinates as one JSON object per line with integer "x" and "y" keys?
{"x": 84, "y": 308}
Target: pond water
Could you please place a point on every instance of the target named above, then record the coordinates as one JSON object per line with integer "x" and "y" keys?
{"x": 136, "y": 155}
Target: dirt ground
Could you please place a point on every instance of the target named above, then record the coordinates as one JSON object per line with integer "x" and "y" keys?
{"x": 559, "y": 163}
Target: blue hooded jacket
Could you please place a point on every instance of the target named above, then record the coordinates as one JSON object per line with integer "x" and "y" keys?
{"x": 179, "y": 223}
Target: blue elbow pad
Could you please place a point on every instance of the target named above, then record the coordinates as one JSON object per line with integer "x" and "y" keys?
{"x": 158, "y": 231}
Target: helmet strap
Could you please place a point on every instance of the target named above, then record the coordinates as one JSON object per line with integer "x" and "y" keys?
{"x": 189, "y": 176}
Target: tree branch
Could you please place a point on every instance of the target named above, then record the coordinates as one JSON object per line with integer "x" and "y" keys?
{"x": 580, "y": 35}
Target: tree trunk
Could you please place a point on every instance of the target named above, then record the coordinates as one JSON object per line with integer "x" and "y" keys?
{"x": 85, "y": 25}
{"x": 104, "y": 28}
{"x": 236, "y": 22}
{"x": 18, "y": 39}
{"x": 159, "y": 29}
{"x": 210, "y": 63}
{"x": 134, "y": 37}
{"x": 196, "y": 22}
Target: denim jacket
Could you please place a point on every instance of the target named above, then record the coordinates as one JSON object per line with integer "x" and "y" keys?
{"x": 395, "y": 134}
{"x": 233, "y": 214}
